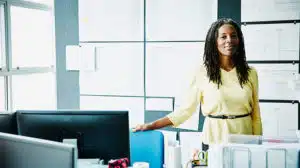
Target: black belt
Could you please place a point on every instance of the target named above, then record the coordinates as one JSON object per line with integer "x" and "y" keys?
{"x": 228, "y": 117}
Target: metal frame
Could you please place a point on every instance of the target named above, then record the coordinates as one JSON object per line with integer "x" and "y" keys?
{"x": 233, "y": 149}
{"x": 28, "y": 4}
{"x": 267, "y": 156}
{"x": 8, "y": 58}
{"x": 133, "y": 96}
{"x": 3, "y": 48}
{"x": 29, "y": 70}
{"x": 148, "y": 41}
{"x": 271, "y": 22}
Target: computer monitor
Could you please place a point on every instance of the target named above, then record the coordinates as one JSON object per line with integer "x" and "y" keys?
{"x": 26, "y": 152}
{"x": 8, "y": 123}
{"x": 99, "y": 134}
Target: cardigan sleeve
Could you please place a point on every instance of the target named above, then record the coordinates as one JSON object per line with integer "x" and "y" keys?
{"x": 255, "y": 114}
{"x": 190, "y": 102}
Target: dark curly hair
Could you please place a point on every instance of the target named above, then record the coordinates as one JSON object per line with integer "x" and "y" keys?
{"x": 212, "y": 59}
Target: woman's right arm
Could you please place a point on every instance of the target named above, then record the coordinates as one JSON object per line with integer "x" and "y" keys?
{"x": 185, "y": 111}
{"x": 160, "y": 123}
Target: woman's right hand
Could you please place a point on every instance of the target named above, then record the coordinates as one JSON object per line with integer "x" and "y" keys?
{"x": 142, "y": 127}
{"x": 160, "y": 123}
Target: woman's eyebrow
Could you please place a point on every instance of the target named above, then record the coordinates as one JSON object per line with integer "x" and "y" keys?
{"x": 232, "y": 33}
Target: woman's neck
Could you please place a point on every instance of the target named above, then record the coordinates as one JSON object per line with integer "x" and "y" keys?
{"x": 226, "y": 63}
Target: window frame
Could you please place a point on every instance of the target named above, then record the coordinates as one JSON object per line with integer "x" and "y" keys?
{"x": 8, "y": 71}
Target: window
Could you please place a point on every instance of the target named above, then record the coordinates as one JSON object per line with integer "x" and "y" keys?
{"x": 2, "y": 94}
{"x": 27, "y": 76}
{"x": 2, "y": 37}
{"x": 32, "y": 42}
{"x": 34, "y": 91}
{"x": 2, "y": 59}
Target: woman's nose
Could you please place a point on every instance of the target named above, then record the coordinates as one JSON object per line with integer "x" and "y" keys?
{"x": 228, "y": 39}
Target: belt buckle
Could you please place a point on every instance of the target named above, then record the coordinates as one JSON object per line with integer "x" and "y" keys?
{"x": 223, "y": 116}
{"x": 231, "y": 117}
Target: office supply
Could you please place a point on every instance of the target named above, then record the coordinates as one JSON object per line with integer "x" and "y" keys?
{"x": 147, "y": 146}
{"x": 169, "y": 139}
{"x": 26, "y": 152}
{"x": 189, "y": 142}
{"x": 81, "y": 58}
{"x": 91, "y": 161}
{"x": 83, "y": 164}
{"x": 266, "y": 139}
{"x": 118, "y": 163}
{"x": 100, "y": 134}
{"x": 174, "y": 156}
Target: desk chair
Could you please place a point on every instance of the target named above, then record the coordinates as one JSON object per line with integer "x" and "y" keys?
{"x": 147, "y": 146}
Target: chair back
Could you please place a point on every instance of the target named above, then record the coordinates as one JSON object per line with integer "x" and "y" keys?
{"x": 147, "y": 146}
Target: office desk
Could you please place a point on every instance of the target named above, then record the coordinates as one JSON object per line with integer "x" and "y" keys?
{"x": 88, "y": 164}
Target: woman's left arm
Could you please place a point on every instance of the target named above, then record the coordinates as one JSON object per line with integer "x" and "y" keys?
{"x": 256, "y": 118}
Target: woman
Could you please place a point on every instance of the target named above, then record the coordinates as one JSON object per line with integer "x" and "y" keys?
{"x": 226, "y": 87}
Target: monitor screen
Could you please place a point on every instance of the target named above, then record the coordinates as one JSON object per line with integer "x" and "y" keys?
{"x": 26, "y": 152}
{"x": 99, "y": 134}
{"x": 8, "y": 123}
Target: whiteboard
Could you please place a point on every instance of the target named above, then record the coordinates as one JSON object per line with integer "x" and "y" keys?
{"x": 273, "y": 80}
{"x": 279, "y": 119}
{"x": 272, "y": 41}
{"x": 172, "y": 20}
{"x": 258, "y": 10}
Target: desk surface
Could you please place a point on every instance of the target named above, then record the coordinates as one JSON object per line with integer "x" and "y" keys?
{"x": 88, "y": 164}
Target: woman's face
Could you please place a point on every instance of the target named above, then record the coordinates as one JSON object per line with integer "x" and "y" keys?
{"x": 227, "y": 40}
